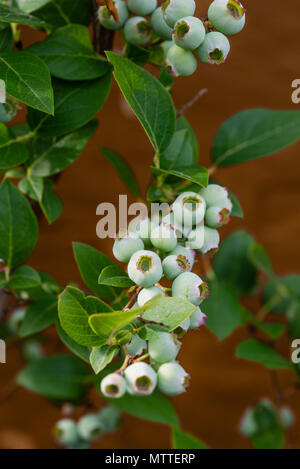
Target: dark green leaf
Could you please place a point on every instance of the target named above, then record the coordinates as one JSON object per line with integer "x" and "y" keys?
{"x": 28, "y": 6}
{"x": 24, "y": 277}
{"x": 6, "y": 39}
{"x": 39, "y": 315}
{"x": 237, "y": 210}
{"x": 123, "y": 170}
{"x": 51, "y": 204}
{"x": 100, "y": 357}
{"x": 256, "y": 351}
{"x": 260, "y": 259}
{"x": 182, "y": 440}
{"x": 138, "y": 55}
{"x": 282, "y": 293}
{"x": 179, "y": 153}
{"x": 272, "y": 438}
{"x": 66, "y": 12}
{"x": 183, "y": 123}
{"x": 79, "y": 350}
{"x": 33, "y": 187}
{"x": 195, "y": 174}
{"x": 272, "y": 329}
{"x": 113, "y": 276}
{"x": 13, "y": 15}
{"x": 12, "y": 153}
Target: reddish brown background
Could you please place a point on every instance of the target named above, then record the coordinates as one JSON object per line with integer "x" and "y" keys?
{"x": 262, "y": 65}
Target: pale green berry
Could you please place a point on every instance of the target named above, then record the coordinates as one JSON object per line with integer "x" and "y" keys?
{"x": 216, "y": 196}
{"x": 159, "y": 25}
{"x": 172, "y": 379}
{"x": 110, "y": 418}
{"x": 189, "y": 32}
{"x": 90, "y": 427}
{"x": 163, "y": 347}
{"x": 16, "y": 319}
{"x": 147, "y": 294}
{"x": 125, "y": 245}
{"x": 180, "y": 62}
{"x": 189, "y": 209}
{"x": 145, "y": 268}
{"x": 164, "y": 237}
{"x": 32, "y": 350}
{"x": 211, "y": 240}
{"x": 66, "y": 432}
{"x": 137, "y": 30}
{"x": 142, "y": 7}
{"x": 165, "y": 45}
{"x": 195, "y": 239}
{"x": 173, "y": 10}
{"x": 216, "y": 217}
{"x": 214, "y": 49}
{"x": 175, "y": 265}
{"x": 143, "y": 228}
{"x": 113, "y": 385}
{"x": 248, "y": 425}
{"x": 286, "y": 416}
{"x": 8, "y": 110}
{"x": 136, "y": 346}
{"x": 187, "y": 252}
{"x": 190, "y": 286}
{"x": 227, "y": 16}
{"x": 106, "y": 18}
{"x": 140, "y": 378}
{"x": 197, "y": 319}
{"x": 169, "y": 220}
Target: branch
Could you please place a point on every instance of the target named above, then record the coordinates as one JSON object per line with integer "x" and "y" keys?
{"x": 192, "y": 101}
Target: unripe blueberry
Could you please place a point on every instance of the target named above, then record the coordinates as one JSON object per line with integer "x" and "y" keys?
{"x": 142, "y": 7}
{"x": 173, "y": 10}
{"x": 189, "y": 32}
{"x": 169, "y": 220}
{"x": 214, "y": 49}
{"x": 145, "y": 268}
{"x": 215, "y": 217}
{"x": 16, "y": 319}
{"x": 147, "y": 294}
{"x": 140, "y": 378}
{"x": 196, "y": 237}
{"x": 90, "y": 427}
{"x": 248, "y": 425}
{"x": 189, "y": 209}
{"x": 186, "y": 252}
{"x": 66, "y": 432}
{"x": 216, "y": 196}
{"x": 137, "y": 30}
{"x": 163, "y": 347}
{"x": 110, "y": 418}
{"x": 113, "y": 385}
{"x": 8, "y": 110}
{"x": 32, "y": 350}
{"x": 197, "y": 319}
{"x": 125, "y": 245}
{"x": 166, "y": 45}
{"x": 180, "y": 62}
{"x": 227, "y": 16}
{"x": 286, "y": 416}
{"x": 211, "y": 240}
{"x": 190, "y": 286}
{"x": 106, "y": 18}
{"x": 136, "y": 346}
{"x": 164, "y": 237}
{"x": 172, "y": 379}
{"x": 159, "y": 25}
{"x": 175, "y": 265}
{"x": 143, "y": 228}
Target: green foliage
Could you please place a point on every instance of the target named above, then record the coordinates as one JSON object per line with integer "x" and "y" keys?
{"x": 13, "y": 15}
{"x": 123, "y": 170}
{"x": 169, "y": 311}
{"x": 12, "y": 153}
{"x": 194, "y": 174}
{"x": 259, "y": 352}
{"x": 260, "y": 259}
{"x": 39, "y": 315}
{"x": 100, "y": 357}
{"x": 114, "y": 276}
{"x": 182, "y": 440}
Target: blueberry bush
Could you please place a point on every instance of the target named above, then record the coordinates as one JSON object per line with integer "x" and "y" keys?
{"x": 122, "y": 334}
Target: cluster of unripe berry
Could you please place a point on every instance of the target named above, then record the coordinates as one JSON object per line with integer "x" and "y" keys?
{"x": 178, "y": 31}
{"x": 166, "y": 248}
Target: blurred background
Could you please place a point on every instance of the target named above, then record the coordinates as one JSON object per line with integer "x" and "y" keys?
{"x": 258, "y": 73}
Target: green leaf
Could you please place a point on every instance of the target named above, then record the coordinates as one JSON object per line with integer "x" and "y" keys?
{"x": 232, "y": 264}
{"x": 33, "y": 187}
{"x": 100, "y": 357}
{"x": 75, "y": 104}
{"x": 56, "y": 155}
{"x": 12, "y": 153}
{"x": 24, "y": 277}
{"x": 59, "y": 377}
{"x": 113, "y": 276}
{"x": 156, "y": 408}
{"x": 180, "y": 153}
{"x": 74, "y": 310}
{"x": 293, "y": 314}
{"x": 18, "y": 226}
{"x": 256, "y": 351}
{"x": 50, "y": 204}
{"x": 27, "y": 79}
{"x": 272, "y": 438}
{"x": 123, "y": 170}
{"x": 183, "y": 123}
{"x": 254, "y": 133}
{"x": 272, "y": 329}
{"x": 260, "y": 259}
{"x": 182, "y": 440}
{"x": 224, "y": 312}
{"x": 138, "y": 55}
{"x": 237, "y": 210}
{"x": 69, "y": 54}
{"x": 66, "y": 12}
{"x": 90, "y": 263}
{"x": 13, "y": 15}
{"x": 195, "y": 174}
{"x": 28, "y": 6}
{"x": 39, "y": 315}
{"x": 148, "y": 98}
{"x": 6, "y": 38}
{"x": 281, "y": 293}
{"x": 169, "y": 311}
{"x": 79, "y": 350}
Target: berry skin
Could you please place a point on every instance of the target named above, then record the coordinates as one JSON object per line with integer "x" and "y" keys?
{"x": 16, "y": 319}
{"x": 8, "y": 110}
{"x": 163, "y": 347}
{"x": 197, "y": 319}
{"x": 110, "y": 418}
{"x": 66, "y": 432}
{"x": 147, "y": 294}
{"x": 172, "y": 379}
{"x": 180, "y": 62}
{"x": 189, "y": 209}
{"x": 113, "y": 385}
{"x": 189, "y": 32}
{"x": 186, "y": 252}
{"x": 159, "y": 25}
{"x": 145, "y": 268}
{"x": 286, "y": 416}
{"x": 227, "y": 16}
{"x": 164, "y": 237}
{"x": 190, "y": 286}
{"x": 166, "y": 46}
{"x": 125, "y": 245}
{"x": 216, "y": 196}
{"x": 106, "y": 18}
{"x": 248, "y": 425}
{"x": 211, "y": 241}
{"x": 173, "y": 10}
{"x": 140, "y": 378}
{"x": 136, "y": 346}
{"x": 175, "y": 265}
{"x": 142, "y": 7}
{"x": 196, "y": 237}
{"x": 214, "y": 49}
{"x": 137, "y": 30}
{"x": 90, "y": 427}
{"x": 216, "y": 217}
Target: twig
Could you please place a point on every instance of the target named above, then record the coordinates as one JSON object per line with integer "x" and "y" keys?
{"x": 192, "y": 101}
